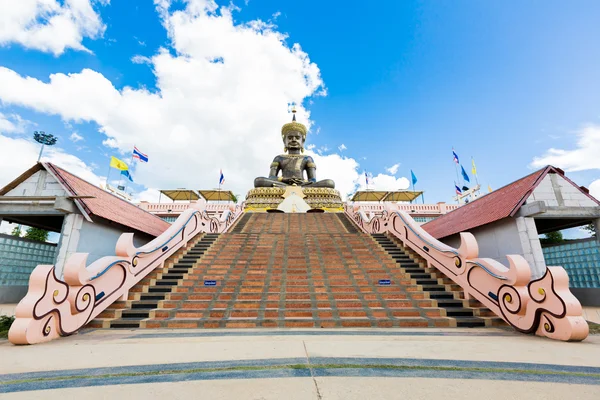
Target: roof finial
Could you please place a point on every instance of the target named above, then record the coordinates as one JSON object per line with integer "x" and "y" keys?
{"x": 292, "y": 109}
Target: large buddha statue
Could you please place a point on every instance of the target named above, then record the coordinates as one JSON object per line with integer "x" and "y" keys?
{"x": 294, "y": 164}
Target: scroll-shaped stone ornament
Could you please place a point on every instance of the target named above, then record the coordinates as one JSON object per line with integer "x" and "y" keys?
{"x": 543, "y": 306}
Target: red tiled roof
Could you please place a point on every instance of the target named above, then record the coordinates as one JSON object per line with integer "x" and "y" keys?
{"x": 492, "y": 207}
{"x": 107, "y": 205}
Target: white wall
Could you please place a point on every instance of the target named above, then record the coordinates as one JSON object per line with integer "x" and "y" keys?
{"x": 99, "y": 239}
{"x": 556, "y": 191}
{"x": 39, "y": 184}
{"x": 508, "y": 236}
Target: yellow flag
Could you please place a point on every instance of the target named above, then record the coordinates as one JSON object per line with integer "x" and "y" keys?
{"x": 489, "y": 189}
{"x": 473, "y": 170}
{"x": 118, "y": 164}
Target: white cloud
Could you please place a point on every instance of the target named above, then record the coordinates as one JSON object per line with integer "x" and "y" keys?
{"x": 595, "y": 189}
{"x": 385, "y": 182}
{"x": 12, "y": 123}
{"x": 49, "y": 25}
{"x": 19, "y": 154}
{"x": 75, "y": 137}
{"x": 342, "y": 147}
{"x": 138, "y": 59}
{"x": 393, "y": 169}
{"x": 222, "y": 95}
{"x": 583, "y": 157}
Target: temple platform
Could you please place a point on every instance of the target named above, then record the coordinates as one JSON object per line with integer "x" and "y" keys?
{"x": 265, "y": 199}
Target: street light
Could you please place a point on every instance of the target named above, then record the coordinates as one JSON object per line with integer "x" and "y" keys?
{"x": 46, "y": 139}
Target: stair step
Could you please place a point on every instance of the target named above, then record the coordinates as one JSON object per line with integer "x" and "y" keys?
{"x": 472, "y": 322}
{"x": 172, "y": 276}
{"x": 178, "y": 270}
{"x": 427, "y": 281}
{"x": 459, "y": 312}
{"x": 140, "y": 305}
{"x": 149, "y": 296}
{"x": 441, "y": 295}
{"x": 135, "y": 314}
{"x": 124, "y": 325}
{"x": 166, "y": 283}
{"x": 434, "y": 288}
{"x": 449, "y": 303}
{"x": 154, "y": 289}
{"x": 419, "y": 275}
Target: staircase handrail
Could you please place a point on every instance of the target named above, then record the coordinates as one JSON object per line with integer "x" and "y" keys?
{"x": 53, "y": 307}
{"x": 543, "y": 306}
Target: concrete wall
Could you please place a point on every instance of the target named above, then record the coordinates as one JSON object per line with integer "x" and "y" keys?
{"x": 39, "y": 184}
{"x": 556, "y": 191}
{"x": 508, "y": 236}
{"x": 99, "y": 239}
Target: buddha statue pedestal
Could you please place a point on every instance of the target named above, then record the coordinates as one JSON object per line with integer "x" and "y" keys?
{"x": 265, "y": 199}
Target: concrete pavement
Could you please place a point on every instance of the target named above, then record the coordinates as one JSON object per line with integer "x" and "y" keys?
{"x": 302, "y": 364}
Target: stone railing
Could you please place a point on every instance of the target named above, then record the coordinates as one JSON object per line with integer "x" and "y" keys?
{"x": 543, "y": 306}
{"x": 177, "y": 208}
{"x": 54, "y": 307}
{"x": 413, "y": 209}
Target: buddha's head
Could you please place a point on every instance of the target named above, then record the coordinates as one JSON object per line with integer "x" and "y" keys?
{"x": 293, "y": 141}
{"x": 294, "y": 136}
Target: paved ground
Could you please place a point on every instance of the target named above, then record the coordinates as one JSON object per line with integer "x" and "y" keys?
{"x": 7, "y": 309}
{"x": 302, "y": 364}
{"x": 592, "y": 314}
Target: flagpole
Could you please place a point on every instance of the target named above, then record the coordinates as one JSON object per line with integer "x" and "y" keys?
{"x": 473, "y": 164}
{"x": 107, "y": 175}
{"x": 130, "y": 165}
{"x": 456, "y": 168}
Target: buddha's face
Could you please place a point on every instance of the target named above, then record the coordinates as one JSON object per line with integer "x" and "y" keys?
{"x": 293, "y": 140}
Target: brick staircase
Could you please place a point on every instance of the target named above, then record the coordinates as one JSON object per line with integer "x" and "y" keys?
{"x": 294, "y": 270}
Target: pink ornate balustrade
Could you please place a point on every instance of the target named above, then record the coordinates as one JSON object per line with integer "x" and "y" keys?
{"x": 54, "y": 307}
{"x": 543, "y": 306}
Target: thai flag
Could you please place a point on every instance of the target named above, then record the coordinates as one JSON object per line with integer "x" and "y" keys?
{"x": 458, "y": 191}
{"x": 221, "y": 178}
{"x": 139, "y": 155}
{"x": 366, "y": 178}
{"x": 455, "y": 156}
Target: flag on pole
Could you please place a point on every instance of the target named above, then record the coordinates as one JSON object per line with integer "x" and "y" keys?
{"x": 489, "y": 189}
{"x": 118, "y": 164}
{"x": 126, "y": 174}
{"x": 366, "y": 178}
{"x": 413, "y": 177}
{"x": 455, "y": 157}
{"x": 221, "y": 178}
{"x": 458, "y": 191}
{"x": 464, "y": 174}
{"x": 139, "y": 155}
{"x": 473, "y": 169}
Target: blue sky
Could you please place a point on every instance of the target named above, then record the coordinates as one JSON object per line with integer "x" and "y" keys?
{"x": 405, "y": 82}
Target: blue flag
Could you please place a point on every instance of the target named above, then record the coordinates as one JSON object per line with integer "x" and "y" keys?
{"x": 464, "y": 174}
{"x": 127, "y": 174}
{"x": 414, "y": 178}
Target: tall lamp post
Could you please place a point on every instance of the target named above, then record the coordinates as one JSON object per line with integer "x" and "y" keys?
{"x": 45, "y": 139}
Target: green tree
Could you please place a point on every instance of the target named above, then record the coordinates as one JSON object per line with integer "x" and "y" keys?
{"x": 553, "y": 237}
{"x": 591, "y": 228}
{"x": 36, "y": 234}
{"x": 16, "y": 231}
